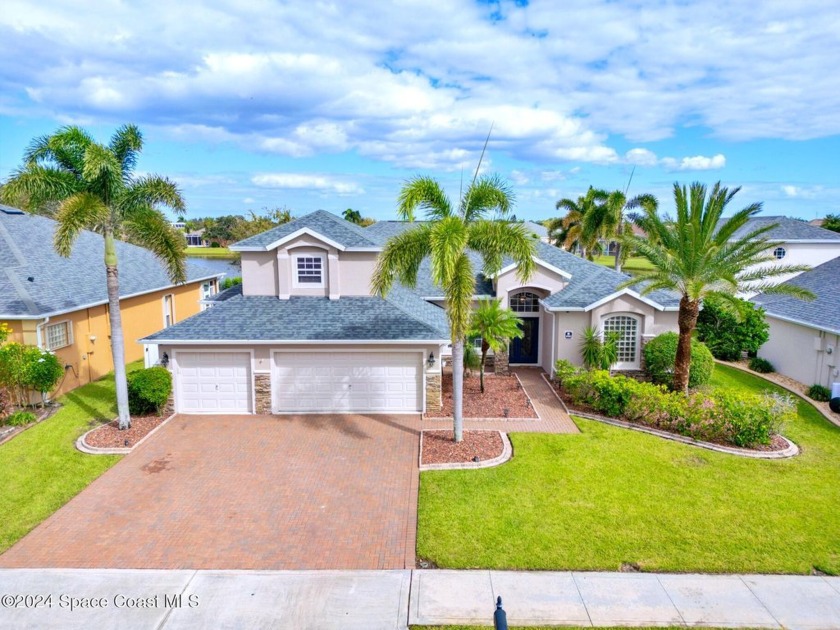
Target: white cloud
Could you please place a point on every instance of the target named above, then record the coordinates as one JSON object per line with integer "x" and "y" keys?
{"x": 641, "y": 157}
{"x": 519, "y": 177}
{"x": 695, "y": 163}
{"x": 306, "y": 181}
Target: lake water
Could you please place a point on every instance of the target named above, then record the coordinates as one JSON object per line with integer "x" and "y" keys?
{"x": 231, "y": 269}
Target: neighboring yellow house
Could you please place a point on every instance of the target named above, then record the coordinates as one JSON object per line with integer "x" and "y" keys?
{"x": 61, "y": 305}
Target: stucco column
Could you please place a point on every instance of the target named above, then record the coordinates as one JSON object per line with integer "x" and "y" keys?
{"x": 333, "y": 277}
{"x": 284, "y": 274}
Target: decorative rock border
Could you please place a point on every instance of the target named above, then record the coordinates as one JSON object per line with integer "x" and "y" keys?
{"x": 791, "y": 450}
{"x": 507, "y": 453}
{"x": 84, "y": 447}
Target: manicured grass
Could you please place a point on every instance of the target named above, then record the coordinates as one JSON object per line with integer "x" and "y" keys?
{"x": 210, "y": 252}
{"x": 610, "y": 495}
{"x": 41, "y": 470}
{"x": 633, "y": 263}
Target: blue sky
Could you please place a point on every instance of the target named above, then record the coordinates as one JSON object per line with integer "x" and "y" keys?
{"x": 253, "y": 103}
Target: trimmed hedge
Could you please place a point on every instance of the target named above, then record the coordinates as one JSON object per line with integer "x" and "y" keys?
{"x": 148, "y": 390}
{"x": 725, "y": 417}
{"x": 661, "y": 353}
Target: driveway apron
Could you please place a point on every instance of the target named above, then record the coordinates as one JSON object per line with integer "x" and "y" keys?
{"x": 245, "y": 492}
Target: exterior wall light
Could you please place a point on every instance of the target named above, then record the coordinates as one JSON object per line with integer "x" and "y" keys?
{"x": 431, "y": 360}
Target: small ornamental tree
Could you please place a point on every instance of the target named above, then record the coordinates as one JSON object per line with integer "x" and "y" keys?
{"x": 731, "y": 327}
{"x": 660, "y": 353}
{"x": 496, "y": 326}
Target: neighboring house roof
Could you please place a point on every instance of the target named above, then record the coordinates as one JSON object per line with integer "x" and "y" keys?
{"x": 788, "y": 230}
{"x": 402, "y": 316}
{"x": 822, "y": 313}
{"x": 35, "y": 281}
{"x": 223, "y": 296}
{"x": 590, "y": 283}
{"x": 340, "y": 233}
{"x": 536, "y": 228}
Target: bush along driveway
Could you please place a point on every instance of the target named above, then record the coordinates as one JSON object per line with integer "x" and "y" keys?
{"x": 610, "y": 497}
{"x": 41, "y": 469}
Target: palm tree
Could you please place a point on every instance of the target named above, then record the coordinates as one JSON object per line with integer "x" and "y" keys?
{"x": 568, "y": 230}
{"x": 445, "y": 239}
{"x": 697, "y": 256}
{"x": 96, "y": 189}
{"x": 354, "y": 216}
{"x": 606, "y": 220}
{"x": 496, "y": 326}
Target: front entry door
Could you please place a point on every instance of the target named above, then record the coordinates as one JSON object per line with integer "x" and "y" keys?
{"x": 524, "y": 350}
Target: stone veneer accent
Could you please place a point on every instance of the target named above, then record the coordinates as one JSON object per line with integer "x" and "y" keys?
{"x": 262, "y": 391}
{"x": 500, "y": 362}
{"x": 434, "y": 397}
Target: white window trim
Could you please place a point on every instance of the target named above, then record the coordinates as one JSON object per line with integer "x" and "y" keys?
{"x": 309, "y": 285}
{"x": 626, "y": 365}
{"x": 68, "y": 324}
{"x": 171, "y": 297}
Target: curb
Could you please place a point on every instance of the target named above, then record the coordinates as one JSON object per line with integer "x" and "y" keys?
{"x": 507, "y": 453}
{"x": 791, "y": 451}
{"x": 84, "y": 447}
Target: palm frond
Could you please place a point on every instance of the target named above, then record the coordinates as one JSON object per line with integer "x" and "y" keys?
{"x": 102, "y": 172}
{"x": 150, "y": 229}
{"x": 448, "y": 239}
{"x": 34, "y": 186}
{"x": 496, "y": 239}
{"x": 82, "y": 211}
{"x": 459, "y": 294}
{"x": 126, "y": 143}
{"x": 400, "y": 260}
{"x": 426, "y": 194}
{"x": 151, "y": 191}
{"x": 489, "y": 193}
{"x": 65, "y": 148}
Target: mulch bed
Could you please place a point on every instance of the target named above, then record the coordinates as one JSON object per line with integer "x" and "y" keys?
{"x": 500, "y": 393}
{"x": 110, "y": 436}
{"x": 438, "y": 447}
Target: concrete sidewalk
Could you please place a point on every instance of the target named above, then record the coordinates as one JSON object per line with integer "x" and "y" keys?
{"x": 107, "y": 598}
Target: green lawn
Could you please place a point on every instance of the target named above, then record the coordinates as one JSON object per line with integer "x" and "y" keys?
{"x": 632, "y": 264}
{"x": 41, "y": 470}
{"x": 210, "y": 252}
{"x": 610, "y": 495}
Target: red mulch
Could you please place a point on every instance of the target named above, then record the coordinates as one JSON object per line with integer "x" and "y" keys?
{"x": 438, "y": 447}
{"x": 110, "y": 436}
{"x": 500, "y": 392}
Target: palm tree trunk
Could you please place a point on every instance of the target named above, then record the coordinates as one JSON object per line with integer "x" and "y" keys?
{"x": 117, "y": 345}
{"x": 458, "y": 389}
{"x": 687, "y": 321}
{"x": 484, "y": 348}
{"x": 618, "y": 232}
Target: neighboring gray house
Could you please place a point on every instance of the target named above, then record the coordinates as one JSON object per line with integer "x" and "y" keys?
{"x": 804, "y": 341}
{"x": 303, "y": 333}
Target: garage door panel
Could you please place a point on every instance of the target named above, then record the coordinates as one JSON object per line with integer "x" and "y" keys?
{"x": 214, "y": 382}
{"x": 347, "y": 382}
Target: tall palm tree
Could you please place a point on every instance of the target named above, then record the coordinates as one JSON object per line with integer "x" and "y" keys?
{"x": 569, "y": 229}
{"x": 496, "y": 326}
{"x": 96, "y": 189}
{"x": 606, "y": 220}
{"x": 697, "y": 256}
{"x": 445, "y": 239}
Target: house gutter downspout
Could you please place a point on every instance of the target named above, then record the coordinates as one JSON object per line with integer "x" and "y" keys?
{"x": 39, "y": 336}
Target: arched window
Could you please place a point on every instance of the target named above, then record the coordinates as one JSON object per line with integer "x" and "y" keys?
{"x": 627, "y": 327}
{"x": 525, "y": 302}
{"x": 779, "y": 252}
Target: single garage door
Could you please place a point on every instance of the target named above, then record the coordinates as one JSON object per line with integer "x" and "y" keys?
{"x": 214, "y": 382}
{"x": 347, "y": 382}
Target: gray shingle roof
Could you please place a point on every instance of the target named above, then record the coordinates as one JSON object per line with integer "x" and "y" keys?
{"x": 401, "y": 316}
{"x": 35, "y": 281}
{"x": 536, "y": 228}
{"x": 335, "y": 228}
{"x": 787, "y": 230}
{"x": 824, "y": 312}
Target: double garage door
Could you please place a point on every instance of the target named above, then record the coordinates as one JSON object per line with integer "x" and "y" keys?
{"x": 343, "y": 382}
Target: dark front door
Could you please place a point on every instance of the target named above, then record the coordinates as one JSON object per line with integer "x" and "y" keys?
{"x": 524, "y": 350}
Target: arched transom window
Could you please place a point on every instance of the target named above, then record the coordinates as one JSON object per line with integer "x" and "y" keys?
{"x": 525, "y": 302}
{"x": 627, "y": 327}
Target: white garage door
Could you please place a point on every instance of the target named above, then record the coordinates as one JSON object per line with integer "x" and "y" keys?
{"x": 347, "y": 382}
{"x": 214, "y": 382}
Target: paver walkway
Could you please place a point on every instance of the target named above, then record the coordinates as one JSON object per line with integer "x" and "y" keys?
{"x": 390, "y": 600}
{"x": 245, "y": 492}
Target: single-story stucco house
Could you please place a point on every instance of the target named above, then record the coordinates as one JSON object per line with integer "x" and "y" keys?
{"x": 804, "y": 341}
{"x": 303, "y": 333}
{"x": 61, "y": 304}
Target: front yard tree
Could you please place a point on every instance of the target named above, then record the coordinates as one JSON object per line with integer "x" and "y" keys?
{"x": 696, "y": 256}
{"x": 606, "y": 220}
{"x": 96, "y": 189}
{"x": 445, "y": 239}
{"x": 496, "y": 326}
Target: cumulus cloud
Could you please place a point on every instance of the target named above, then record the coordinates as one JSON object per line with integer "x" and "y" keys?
{"x": 306, "y": 181}
{"x": 641, "y": 157}
{"x": 695, "y": 163}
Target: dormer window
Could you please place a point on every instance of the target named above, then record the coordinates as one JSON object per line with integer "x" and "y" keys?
{"x": 309, "y": 271}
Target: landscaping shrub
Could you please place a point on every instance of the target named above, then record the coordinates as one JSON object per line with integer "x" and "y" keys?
{"x": 5, "y": 403}
{"x": 757, "y": 364}
{"x": 819, "y": 393}
{"x": 726, "y": 417}
{"x": 25, "y": 369}
{"x": 597, "y": 353}
{"x": 227, "y": 283}
{"x": 730, "y": 329}
{"x": 20, "y": 418}
{"x": 148, "y": 390}
{"x": 563, "y": 369}
{"x": 661, "y": 352}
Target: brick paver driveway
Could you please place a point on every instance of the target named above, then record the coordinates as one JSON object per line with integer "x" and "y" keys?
{"x": 245, "y": 492}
